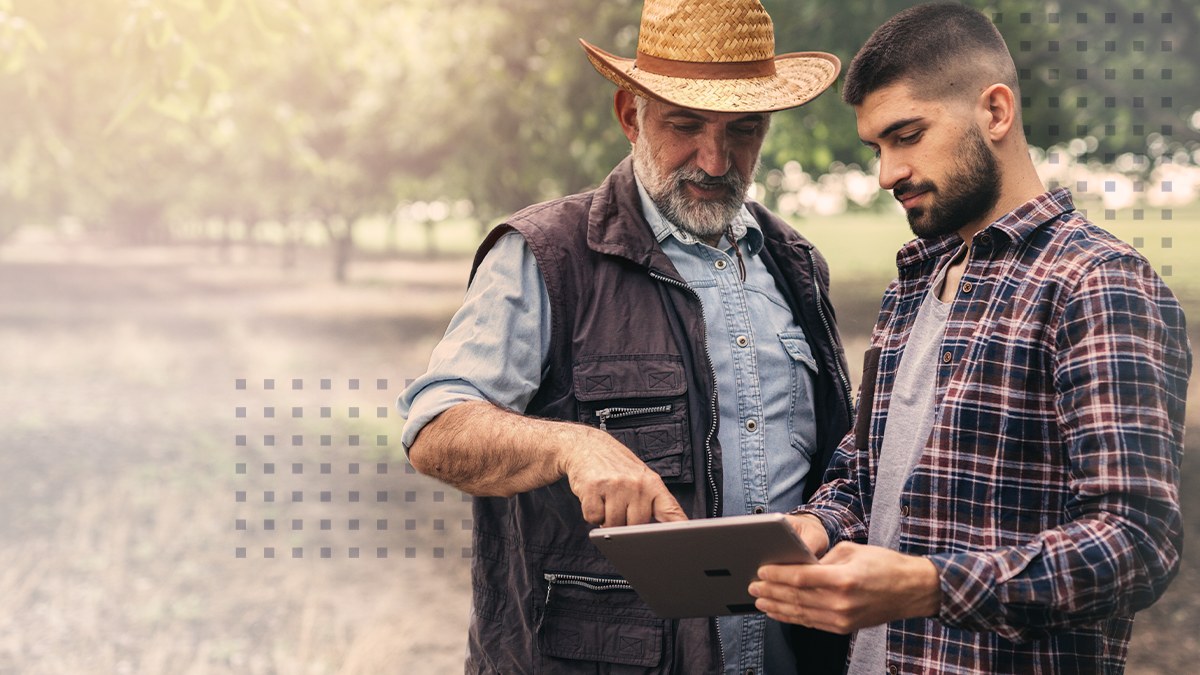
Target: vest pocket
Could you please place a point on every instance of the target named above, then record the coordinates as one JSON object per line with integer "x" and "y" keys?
{"x": 641, "y": 400}
{"x": 597, "y": 619}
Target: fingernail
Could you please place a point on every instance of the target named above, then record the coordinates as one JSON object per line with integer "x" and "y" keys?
{"x": 754, "y": 590}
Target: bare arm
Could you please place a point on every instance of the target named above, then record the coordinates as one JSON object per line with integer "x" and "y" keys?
{"x": 489, "y": 452}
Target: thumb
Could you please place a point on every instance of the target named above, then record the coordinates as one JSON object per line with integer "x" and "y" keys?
{"x": 841, "y": 553}
{"x": 666, "y": 509}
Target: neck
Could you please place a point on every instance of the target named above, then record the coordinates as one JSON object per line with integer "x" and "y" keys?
{"x": 1019, "y": 184}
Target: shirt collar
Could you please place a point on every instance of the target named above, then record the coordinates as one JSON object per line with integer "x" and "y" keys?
{"x": 1014, "y": 226}
{"x": 744, "y": 225}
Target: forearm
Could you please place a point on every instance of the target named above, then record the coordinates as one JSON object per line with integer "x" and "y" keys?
{"x": 489, "y": 452}
{"x": 1076, "y": 574}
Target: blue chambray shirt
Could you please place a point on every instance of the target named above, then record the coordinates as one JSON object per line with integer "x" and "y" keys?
{"x": 496, "y": 348}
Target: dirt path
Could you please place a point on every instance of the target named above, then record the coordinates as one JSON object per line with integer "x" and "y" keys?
{"x": 119, "y": 470}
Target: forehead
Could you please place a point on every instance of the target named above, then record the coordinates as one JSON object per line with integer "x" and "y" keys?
{"x": 669, "y": 111}
{"x": 887, "y": 106}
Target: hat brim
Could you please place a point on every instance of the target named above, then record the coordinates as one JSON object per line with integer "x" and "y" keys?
{"x": 799, "y": 77}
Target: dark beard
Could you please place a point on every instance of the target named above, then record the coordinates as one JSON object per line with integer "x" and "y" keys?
{"x": 966, "y": 198}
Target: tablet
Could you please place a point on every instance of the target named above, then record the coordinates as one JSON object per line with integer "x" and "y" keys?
{"x": 700, "y": 567}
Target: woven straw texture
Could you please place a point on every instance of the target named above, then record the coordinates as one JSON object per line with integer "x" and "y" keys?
{"x": 799, "y": 78}
{"x": 716, "y": 31}
{"x": 706, "y": 31}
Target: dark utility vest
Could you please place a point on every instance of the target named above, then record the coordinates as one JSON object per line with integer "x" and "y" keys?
{"x": 627, "y": 333}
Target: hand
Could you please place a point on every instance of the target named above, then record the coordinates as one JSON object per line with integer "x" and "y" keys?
{"x": 852, "y": 587}
{"x": 614, "y": 486}
{"x": 811, "y": 532}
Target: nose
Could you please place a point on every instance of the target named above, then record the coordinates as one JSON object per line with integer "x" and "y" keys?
{"x": 892, "y": 171}
{"x": 712, "y": 155}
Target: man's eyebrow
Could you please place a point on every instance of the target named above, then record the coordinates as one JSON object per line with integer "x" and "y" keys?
{"x": 898, "y": 124}
{"x": 691, "y": 114}
{"x": 684, "y": 112}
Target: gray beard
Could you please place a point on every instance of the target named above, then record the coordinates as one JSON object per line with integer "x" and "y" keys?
{"x": 700, "y": 218}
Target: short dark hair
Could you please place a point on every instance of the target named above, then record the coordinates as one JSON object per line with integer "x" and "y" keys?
{"x": 938, "y": 48}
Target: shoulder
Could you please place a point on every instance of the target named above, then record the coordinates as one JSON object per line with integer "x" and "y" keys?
{"x": 1074, "y": 247}
{"x": 555, "y": 216}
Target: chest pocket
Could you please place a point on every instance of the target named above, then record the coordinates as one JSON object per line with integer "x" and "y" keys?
{"x": 801, "y": 423}
{"x": 641, "y": 400}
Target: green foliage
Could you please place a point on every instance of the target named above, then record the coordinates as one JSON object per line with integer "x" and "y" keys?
{"x": 128, "y": 114}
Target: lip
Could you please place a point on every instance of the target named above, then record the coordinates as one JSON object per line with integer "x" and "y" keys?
{"x": 715, "y": 192}
{"x": 910, "y": 200}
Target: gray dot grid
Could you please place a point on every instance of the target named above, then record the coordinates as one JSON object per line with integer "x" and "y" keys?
{"x": 1076, "y": 42}
{"x": 272, "y": 468}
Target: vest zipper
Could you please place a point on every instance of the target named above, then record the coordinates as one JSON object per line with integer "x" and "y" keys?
{"x": 607, "y": 414}
{"x": 588, "y": 582}
{"x": 712, "y": 404}
{"x": 837, "y": 363}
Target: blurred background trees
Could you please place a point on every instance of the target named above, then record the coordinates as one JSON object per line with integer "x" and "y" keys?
{"x": 132, "y": 117}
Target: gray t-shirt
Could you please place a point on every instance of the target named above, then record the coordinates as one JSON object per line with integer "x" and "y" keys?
{"x": 910, "y": 418}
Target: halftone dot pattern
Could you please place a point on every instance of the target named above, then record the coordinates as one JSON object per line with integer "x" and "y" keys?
{"x": 1128, "y": 123}
{"x": 324, "y": 491}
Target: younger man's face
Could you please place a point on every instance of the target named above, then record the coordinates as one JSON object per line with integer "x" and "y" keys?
{"x": 932, "y": 157}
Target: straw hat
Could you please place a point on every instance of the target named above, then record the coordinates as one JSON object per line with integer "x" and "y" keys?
{"x": 716, "y": 55}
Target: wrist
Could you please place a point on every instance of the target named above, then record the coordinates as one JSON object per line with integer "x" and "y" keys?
{"x": 928, "y": 587}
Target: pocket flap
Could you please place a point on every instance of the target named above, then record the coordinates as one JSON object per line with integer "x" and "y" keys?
{"x": 629, "y": 376}
{"x": 575, "y": 635}
{"x": 798, "y": 348}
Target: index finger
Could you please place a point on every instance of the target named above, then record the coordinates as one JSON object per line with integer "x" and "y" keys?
{"x": 800, "y": 575}
{"x": 666, "y": 508}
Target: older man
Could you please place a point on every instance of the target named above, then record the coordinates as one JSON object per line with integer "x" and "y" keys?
{"x": 656, "y": 349}
{"x": 1010, "y": 496}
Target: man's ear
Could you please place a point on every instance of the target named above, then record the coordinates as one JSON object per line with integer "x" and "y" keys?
{"x": 625, "y": 105}
{"x": 999, "y": 111}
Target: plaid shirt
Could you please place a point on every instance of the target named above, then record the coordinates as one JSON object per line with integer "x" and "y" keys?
{"x": 1047, "y": 493}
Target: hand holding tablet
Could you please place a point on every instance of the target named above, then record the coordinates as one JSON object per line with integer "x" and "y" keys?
{"x": 700, "y": 567}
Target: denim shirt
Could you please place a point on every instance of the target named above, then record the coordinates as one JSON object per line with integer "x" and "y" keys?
{"x": 763, "y": 363}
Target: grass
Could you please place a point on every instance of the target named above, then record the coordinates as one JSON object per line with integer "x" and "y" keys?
{"x": 864, "y": 245}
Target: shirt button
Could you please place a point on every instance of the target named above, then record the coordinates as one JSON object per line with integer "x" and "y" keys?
{"x": 742, "y": 341}
{"x": 721, "y": 264}
{"x": 946, "y": 357}
{"x": 904, "y": 510}
{"x": 967, "y": 287}
{"x": 985, "y": 239}
{"x": 749, "y": 671}
{"x": 759, "y": 509}
{"x": 893, "y": 670}
{"x": 751, "y": 425}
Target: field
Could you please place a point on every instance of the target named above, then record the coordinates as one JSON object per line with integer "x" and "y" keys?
{"x": 122, "y": 475}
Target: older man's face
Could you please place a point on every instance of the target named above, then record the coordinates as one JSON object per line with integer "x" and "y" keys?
{"x": 696, "y": 165}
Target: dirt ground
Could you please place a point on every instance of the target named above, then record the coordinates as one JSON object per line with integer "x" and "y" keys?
{"x": 126, "y": 545}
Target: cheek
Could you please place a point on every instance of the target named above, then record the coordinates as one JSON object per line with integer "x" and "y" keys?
{"x": 746, "y": 157}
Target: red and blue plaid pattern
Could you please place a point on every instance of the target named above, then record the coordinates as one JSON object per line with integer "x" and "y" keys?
{"x": 1047, "y": 494}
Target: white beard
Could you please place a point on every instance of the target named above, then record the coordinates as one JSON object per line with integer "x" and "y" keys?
{"x": 701, "y": 218}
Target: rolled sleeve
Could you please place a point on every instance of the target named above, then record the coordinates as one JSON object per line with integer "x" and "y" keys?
{"x": 496, "y": 347}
